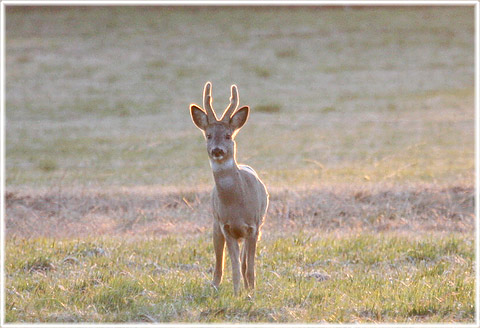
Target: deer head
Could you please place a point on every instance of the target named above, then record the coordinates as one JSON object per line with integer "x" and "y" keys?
{"x": 219, "y": 133}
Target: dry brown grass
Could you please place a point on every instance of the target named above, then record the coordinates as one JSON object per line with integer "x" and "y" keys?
{"x": 157, "y": 211}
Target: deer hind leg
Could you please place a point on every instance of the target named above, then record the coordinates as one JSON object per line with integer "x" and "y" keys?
{"x": 219, "y": 246}
{"x": 244, "y": 264}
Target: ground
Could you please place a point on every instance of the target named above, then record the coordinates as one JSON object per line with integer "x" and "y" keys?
{"x": 361, "y": 126}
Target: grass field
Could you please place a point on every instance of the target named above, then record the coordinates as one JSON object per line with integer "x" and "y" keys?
{"x": 367, "y": 278}
{"x": 362, "y": 128}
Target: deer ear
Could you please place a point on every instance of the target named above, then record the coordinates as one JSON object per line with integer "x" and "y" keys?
{"x": 199, "y": 117}
{"x": 239, "y": 118}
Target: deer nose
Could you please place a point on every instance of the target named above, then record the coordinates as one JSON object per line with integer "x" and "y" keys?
{"x": 217, "y": 152}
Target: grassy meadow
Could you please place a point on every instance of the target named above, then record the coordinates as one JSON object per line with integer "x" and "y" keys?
{"x": 301, "y": 278}
{"x": 361, "y": 126}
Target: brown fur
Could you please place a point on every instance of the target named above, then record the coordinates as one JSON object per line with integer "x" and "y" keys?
{"x": 239, "y": 198}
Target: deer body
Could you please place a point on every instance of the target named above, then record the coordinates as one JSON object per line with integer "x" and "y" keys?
{"x": 239, "y": 198}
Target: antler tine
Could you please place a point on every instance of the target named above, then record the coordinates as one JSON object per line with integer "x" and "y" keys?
{"x": 233, "y": 105}
{"x": 207, "y": 102}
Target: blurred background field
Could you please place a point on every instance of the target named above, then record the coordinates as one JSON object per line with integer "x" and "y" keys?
{"x": 99, "y": 96}
{"x": 362, "y": 128}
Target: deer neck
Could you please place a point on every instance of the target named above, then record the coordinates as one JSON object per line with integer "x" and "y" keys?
{"x": 227, "y": 178}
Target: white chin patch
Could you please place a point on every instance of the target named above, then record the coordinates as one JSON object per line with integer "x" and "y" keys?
{"x": 217, "y": 158}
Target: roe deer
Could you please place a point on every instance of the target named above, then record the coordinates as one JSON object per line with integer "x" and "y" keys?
{"x": 239, "y": 197}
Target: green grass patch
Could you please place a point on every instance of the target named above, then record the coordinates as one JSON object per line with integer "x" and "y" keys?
{"x": 301, "y": 278}
{"x": 262, "y": 72}
{"x": 268, "y": 108}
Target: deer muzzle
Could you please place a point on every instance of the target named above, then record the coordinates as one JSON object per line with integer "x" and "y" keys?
{"x": 217, "y": 153}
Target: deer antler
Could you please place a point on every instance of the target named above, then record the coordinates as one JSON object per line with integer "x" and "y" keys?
{"x": 207, "y": 103}
{"x": 233, "y": 105}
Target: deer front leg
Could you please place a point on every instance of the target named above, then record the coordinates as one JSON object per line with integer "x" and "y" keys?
{"x": 219, "y": 246}
{"x": 233, "y": 250}
{"x": 250, "y": 248}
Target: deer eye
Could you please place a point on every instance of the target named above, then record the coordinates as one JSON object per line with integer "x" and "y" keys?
{"x": 228, "y": 136}
{"x": 209, "y": 136}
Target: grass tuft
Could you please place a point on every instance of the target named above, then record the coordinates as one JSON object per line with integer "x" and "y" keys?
{"x": 286, "y": 53}
{"x": 47, "y": 165}
{"x": 268, "y": 108}
{"x": 41, "y": 264}
{"x": 262, "y": 72}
